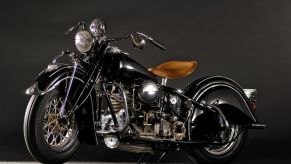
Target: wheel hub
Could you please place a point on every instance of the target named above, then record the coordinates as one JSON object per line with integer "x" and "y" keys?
{"x": 229, "y": 138}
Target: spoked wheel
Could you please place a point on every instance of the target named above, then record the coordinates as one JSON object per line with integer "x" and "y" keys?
{"x": 233, "y": 140}
{"x": 58, "y": 131}
{"x": 229, "y": 137}
{"x": 48, "y": 137}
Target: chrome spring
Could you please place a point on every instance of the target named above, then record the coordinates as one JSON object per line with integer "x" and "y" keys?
{"x": 116, "y": 104}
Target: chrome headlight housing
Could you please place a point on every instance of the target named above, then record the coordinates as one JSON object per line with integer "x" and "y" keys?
{"x": 97, "y": 28}
{"x": 83, "y": 41}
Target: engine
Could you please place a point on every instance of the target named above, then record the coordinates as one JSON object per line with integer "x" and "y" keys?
{"x": 153, "y": 125}
{"x": 154, "y": 113}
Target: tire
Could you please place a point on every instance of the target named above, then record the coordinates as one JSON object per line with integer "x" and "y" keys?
{"x": 61, "y": 140}
{"x": 221, "y": 154}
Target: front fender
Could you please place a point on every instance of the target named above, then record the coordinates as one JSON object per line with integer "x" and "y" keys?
{"x": 225, "y": 92}
{"x": 53, "y": 77}
{"x": 49, "y": 76}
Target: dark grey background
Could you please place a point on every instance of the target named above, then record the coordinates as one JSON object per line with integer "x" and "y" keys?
{"x": 247, "y": 40}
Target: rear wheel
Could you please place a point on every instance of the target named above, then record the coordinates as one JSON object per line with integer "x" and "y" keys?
{"x": 233, "y": 141}
{"x": 49, "y": 138}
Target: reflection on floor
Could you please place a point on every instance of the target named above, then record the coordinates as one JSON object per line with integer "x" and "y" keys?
{"x": 18, "y": 162}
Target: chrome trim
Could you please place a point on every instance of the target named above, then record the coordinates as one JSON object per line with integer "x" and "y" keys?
{"x": 125, "y": 125}
{"x": 164, "y": 81}
{"x": 68, "y": 89}
{"x": 257, "y": 126}
{"x": 210, "y": 77}
{"x": 125, "y": 106}
{"x": 33, "y": 90}
{"x": 52, "y": 67}
{"x": 55, "y": 83}
{"x": 251, "y": 94}
{"x": 111, "y": 141}
{"x": 67, "y": 67}
{"x": 197, "y": 112}
{"x": 114, "y": 50}
{"x": 26, "y": 123}
{"x": 133, "y": 100}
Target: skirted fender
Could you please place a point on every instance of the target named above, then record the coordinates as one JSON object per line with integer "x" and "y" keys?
{"x": 55, "y": 76}
{"x": 49, "y": 76}
{"x": 224, "y": 92}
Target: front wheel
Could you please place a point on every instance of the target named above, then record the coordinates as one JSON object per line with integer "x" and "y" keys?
{"x": 222, "y": 153}
{"x": 49, "y": 138}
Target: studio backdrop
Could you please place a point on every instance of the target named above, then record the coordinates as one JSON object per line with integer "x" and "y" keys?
{"x": 246, "y": 40}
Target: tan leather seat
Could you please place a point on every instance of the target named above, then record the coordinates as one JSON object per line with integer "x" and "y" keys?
{"x": 174, "y": 69}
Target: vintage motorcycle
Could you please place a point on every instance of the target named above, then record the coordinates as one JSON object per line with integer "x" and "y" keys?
{"x": 105, "y": 96}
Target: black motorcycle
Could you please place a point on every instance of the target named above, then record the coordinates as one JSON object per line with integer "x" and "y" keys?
{"x": 105, "y": 96}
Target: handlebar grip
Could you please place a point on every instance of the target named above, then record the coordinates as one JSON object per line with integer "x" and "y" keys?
{"x": 158, "y": 44}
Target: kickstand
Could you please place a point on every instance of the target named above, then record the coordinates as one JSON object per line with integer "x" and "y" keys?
{"x": 161, "y": 157}
{"x": 143, "y": 156}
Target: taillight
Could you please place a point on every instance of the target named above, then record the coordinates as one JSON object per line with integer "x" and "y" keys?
{"x": 254, "y": 106}
{"x": 252, "y": 96}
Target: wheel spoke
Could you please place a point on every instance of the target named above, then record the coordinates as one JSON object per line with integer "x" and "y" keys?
{"x": 57, "y": 132}
{"x": 49, "y": 123}
{"x": 51, "y": 132}
{"x": 54, "y": 139}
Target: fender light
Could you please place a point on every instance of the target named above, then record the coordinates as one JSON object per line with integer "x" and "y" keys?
{"x": 32, "y": 90}
{"x": 52, "y": 67}
{"x": 254, "y": 106}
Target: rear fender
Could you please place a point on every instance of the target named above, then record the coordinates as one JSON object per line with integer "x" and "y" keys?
{"x": 225, "y": 93}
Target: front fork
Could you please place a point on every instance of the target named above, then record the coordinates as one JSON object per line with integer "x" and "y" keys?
{"x": 61, "y": 113}
{"x": 88, "y": 87}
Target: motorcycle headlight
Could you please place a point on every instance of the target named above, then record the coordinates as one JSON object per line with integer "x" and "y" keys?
{"x": 83, "y": 41}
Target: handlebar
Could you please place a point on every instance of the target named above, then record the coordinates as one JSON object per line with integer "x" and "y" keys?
{"x": 152, "y": 40}
{"x": 81, "y": 25}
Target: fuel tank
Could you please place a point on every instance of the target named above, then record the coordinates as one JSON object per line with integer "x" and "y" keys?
{"x": 121, "y": 67}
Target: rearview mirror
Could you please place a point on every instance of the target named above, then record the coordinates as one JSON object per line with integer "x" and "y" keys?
{"x": 138, "y": 42}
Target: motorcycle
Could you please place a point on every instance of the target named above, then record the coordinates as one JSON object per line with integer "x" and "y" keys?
{"x": 104, "y": 96}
